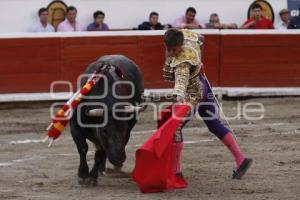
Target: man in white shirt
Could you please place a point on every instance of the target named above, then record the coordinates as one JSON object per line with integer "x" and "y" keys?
{"x": 284, "y": 16}
{"x": 70, "y": 24}
{"x": 43, "y": 25}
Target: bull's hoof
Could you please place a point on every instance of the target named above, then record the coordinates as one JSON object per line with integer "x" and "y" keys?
{"x": 117, "y": 173}
{"x": 109, "y": 171}
{"x": 101, "y": 173}
{"x": 89, "y": 181}
{"x": 84, "y": 181}
{"x": 93, "y": 182}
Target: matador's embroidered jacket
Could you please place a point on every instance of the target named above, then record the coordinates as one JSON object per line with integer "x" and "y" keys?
{"x": 184, "y": 69}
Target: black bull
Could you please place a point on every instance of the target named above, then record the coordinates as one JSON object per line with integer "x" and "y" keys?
{"x": 109, "y": 138}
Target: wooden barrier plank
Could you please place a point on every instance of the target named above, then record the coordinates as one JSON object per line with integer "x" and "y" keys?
{"x": 261, "y": 55}
{"x": 260, "y": 60}
{"x": 78, "y": 53}
{"x": 153, "y": 57}
{"x": 29, "y": 65}
{"x": 261, "y": 40}
{"x": 211, "y": 58}
{"x": 260, "y": 75}
{"x": 24, "y": 83}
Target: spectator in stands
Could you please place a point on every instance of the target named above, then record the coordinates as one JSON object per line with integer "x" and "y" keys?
{"x": 152, "y": 24}
{"x": 98, "y": 24}
{"x": 188, "y": 21}
{"x": 42, "y": 25}
{"x": 70, "y": 24}
{"x": 258, "y": 21}
{"x": 295, "y": 22}
{"x": 214, "y": 23}
{"x": 284, "y": 16}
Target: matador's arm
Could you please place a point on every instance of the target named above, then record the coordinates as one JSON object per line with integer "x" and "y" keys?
{"x": 182, "y": 75}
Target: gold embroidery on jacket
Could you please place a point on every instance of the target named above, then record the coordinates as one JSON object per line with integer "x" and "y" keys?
{"x": 187, "y": 54}
{"x": 191, "y": 89}
{"x": 189, "y": 35}
{"x": 184, "y": 69}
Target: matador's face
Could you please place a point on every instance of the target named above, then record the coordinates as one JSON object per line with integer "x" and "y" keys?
{"x": 173, "y": 51}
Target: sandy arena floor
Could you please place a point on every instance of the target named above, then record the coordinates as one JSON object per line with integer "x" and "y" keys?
{"x": 30, "y": 170}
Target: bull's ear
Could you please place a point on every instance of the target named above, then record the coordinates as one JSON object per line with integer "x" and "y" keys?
{"x": 99, "y": 112}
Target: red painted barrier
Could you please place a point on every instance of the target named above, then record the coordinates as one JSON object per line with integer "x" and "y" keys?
{"x": 31, "y": 64}
{"x": 260, "y": 60}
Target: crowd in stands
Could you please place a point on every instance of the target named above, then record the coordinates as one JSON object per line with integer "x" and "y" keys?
{"x": 188, "y": 21}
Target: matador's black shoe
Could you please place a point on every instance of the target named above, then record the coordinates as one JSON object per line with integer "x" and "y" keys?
{"x": 241, "y": 171}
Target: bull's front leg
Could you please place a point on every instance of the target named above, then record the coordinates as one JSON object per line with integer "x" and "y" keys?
{"x": 83, "y": 170}
{"x": 99, "y": 166}
{"x": 82, "y": 147}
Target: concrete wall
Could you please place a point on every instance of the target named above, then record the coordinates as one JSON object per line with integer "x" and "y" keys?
{"x": 19, "y": 15}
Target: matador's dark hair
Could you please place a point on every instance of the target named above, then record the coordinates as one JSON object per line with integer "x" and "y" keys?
{"x": 173, "y": 37}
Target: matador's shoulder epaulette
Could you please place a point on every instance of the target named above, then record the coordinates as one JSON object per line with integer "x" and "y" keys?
{"x": 187, "y": 54}
{"x": 190, "y": 35}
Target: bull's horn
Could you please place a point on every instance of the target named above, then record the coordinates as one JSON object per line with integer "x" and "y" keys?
{"x": 131, "y": 109}
{"x": 95, "y": 112}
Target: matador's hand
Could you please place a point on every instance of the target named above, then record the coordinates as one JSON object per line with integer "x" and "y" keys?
{"x": 179, "y": 99}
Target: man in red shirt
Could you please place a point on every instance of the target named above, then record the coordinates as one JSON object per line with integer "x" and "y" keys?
{"x": 258, "y": 21}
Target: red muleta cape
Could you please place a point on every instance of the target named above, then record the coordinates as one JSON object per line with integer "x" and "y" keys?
{"x": 153, "y": 168}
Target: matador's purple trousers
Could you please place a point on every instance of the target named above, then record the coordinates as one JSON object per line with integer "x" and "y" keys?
{"x": 207, "y": 108}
